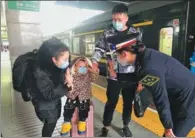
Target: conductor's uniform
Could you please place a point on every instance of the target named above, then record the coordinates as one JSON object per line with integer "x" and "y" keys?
{"x": 173, "y": 92}
{"x": 171, "y": 84}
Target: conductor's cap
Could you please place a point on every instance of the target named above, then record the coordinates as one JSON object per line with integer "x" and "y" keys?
{"x": 123, "y": 40}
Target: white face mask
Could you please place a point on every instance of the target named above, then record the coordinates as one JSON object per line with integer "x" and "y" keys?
{"x": 118, "y": 25}
{"x": 123, "y": 63}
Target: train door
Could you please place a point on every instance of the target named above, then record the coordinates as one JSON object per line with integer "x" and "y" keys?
{"x": 166, "y": 40}
{"x": 169, "y": 42}
{"x": 162, "y": 35}
{"x": 167, "y": 31}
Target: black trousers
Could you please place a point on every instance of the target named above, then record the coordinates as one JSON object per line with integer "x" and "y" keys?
{"x": 113, "y": 90}
{"x": 69, "y": 108}
{"x": 48, "y": 117}
{"x": 48, "y": 129}
{"x": 181, "y": 127}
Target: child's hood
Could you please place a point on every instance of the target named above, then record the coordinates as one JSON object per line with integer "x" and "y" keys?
{"x": 76, "y": 60}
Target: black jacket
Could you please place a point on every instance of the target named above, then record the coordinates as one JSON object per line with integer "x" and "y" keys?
{"x": 174, "y": 93}
{"x": 47, "y": 87}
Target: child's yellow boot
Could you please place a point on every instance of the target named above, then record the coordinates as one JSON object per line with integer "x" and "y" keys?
{"x": 81, "y": 127}
{"x": 66, "y": 127}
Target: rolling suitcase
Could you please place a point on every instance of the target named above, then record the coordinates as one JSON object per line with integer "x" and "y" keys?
{"x": 89, "y": 124}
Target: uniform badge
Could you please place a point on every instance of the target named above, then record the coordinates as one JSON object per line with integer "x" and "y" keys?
{"x": 149, "y": 80}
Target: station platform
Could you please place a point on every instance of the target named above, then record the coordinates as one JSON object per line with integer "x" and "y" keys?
{"x": 18, "y": 117}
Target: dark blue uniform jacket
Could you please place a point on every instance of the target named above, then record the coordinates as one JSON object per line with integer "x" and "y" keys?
{"x": 174, "y": 93}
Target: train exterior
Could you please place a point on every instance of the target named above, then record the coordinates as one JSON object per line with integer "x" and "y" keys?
{"x": 168, "y": 26}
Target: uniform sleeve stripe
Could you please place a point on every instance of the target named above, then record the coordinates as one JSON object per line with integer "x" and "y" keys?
{"x": 102, "y": 50}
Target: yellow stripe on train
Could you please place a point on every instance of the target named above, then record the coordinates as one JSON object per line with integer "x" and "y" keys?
{"x": 87, "y": 33}
{"x": 101, "y": 31}
{"x": 142, "y": 24}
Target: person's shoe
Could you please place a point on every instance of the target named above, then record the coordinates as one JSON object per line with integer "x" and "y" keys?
{"x": 104, "y": 132}
{"x": 81, "y": 127}
{"x": 127, "y": 132}
{"x": 66, "y": 127}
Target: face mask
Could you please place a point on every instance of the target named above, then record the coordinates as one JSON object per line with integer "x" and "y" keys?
{"x": 82, "y": 70}
{"x": 118, "y": 25}
{"x": 123, "y": 63}
{"x": 64, "y": 65}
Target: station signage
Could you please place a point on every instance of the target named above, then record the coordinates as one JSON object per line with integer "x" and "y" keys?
{"x": 24, "y": 5}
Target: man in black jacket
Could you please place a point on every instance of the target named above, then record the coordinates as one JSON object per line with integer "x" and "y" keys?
{"x": 119, "y": 26}
{"x": 171, "y": 83}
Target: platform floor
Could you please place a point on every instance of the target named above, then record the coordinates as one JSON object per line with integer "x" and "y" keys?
{"x": 20, "y": 120}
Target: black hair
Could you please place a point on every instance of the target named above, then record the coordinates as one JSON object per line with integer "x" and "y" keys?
{"x": 120, "y": 8}
{"x": 51, "y": 48}
{"x": 56, "y": 47}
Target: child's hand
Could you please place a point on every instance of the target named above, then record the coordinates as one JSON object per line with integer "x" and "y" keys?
{"x": 93, "y": 69}
{"x": 94, "y": 73}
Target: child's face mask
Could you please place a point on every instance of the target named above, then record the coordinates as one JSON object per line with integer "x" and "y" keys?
{"x": 82, "y": 70}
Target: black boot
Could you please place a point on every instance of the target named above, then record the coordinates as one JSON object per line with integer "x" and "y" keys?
{"x": 127, "y": 132}
{"x": 104, "y": 132}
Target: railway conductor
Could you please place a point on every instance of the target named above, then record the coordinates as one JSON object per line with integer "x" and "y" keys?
{"x": 171, "y": 83}
{"x": 119, "y": 26}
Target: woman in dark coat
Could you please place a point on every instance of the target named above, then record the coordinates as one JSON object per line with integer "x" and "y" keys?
{"x": 51, "y": 81}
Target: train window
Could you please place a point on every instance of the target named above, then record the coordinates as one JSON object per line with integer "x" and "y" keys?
{"x": 89, "y": 44}
{"x": 76, "y": 45}
{"x": 89, "y": 39}
{"x": 89, "y": 49}
{"x": 66, "y": 41}
{"x": 166, "y": 40}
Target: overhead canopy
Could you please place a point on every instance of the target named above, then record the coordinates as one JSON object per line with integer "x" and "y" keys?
{"x": 94, "y": 5}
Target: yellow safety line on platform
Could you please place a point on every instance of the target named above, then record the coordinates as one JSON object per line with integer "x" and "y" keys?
{"x": 150, "y": 120}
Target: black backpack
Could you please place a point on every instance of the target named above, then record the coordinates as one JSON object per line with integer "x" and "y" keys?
{"x": 22, "y": 66}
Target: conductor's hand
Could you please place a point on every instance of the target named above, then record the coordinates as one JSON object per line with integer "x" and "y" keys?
{"x": 140, "y": 87}
{"x": 169, "y": 133}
